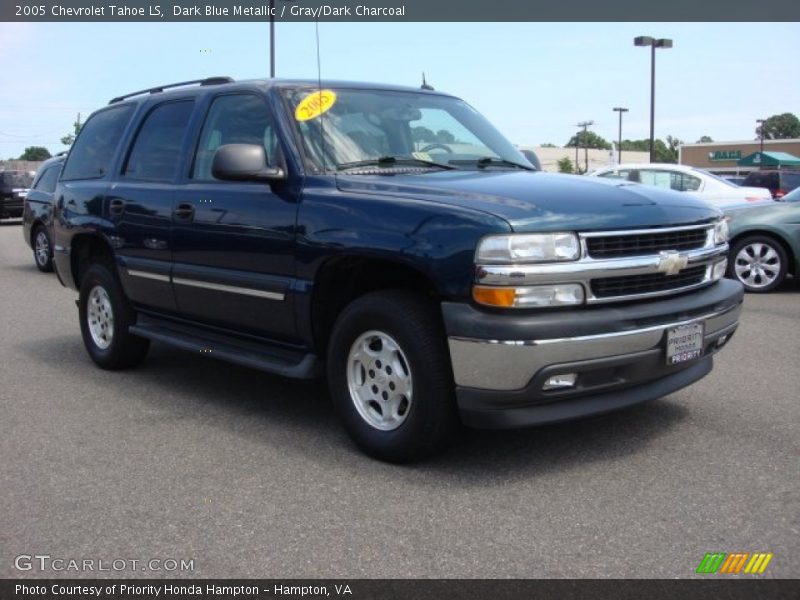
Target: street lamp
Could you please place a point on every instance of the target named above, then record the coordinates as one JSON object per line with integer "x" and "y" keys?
{"x": 644, "y": 40}
{"x": 272, "y": 37}
{"x": 619, "y": 138}
{"x": 585, "y": 125}
{"x": 761, "y": 134}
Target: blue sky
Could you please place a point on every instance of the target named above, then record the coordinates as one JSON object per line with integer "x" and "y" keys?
{"x": 534, "y": 81}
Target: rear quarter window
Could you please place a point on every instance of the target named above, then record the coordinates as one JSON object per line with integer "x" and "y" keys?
{"x": 93, "y": 150}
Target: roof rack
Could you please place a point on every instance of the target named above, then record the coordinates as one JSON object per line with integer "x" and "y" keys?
{"x": 161, "y": 88}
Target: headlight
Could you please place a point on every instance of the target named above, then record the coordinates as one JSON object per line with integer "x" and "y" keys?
{"x": 721, "y": 231}
{"x": 528, "y": 248}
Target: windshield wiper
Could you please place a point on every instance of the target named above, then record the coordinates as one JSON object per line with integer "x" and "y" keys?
{"x": 392, "y": 161}
{"x": 491, "y": 161}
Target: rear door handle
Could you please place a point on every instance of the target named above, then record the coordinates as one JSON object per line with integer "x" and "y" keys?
{"x": 116, "y": 206}
{"x": 183, "y": 212}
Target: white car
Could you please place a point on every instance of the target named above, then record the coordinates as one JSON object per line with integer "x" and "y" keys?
{"x": 707, "y": 186}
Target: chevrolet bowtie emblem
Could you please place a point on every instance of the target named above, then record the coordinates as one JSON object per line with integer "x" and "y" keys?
{"x": 671, "y": 262}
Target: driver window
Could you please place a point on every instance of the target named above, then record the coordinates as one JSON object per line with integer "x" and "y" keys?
{"x": 234, "y": 119}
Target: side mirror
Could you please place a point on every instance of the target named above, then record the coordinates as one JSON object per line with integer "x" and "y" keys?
{"x": 244, "y": 162}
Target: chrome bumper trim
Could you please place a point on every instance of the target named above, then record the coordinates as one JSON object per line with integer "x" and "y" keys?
{"x": 511, "y": 364}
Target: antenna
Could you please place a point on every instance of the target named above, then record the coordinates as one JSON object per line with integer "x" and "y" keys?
{"x": 319, "y": 88}
{"x": 425, "y": 85}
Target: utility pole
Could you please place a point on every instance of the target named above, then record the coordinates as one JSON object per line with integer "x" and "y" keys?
{"x": 585, "y": 125}
{"x": 761, "y": 135}
{"x": 620, "y": 110}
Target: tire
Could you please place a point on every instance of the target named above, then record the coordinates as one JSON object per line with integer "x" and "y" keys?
{"x": 42, "y": 249}
{"x": 405, "y": 410}
{"x": 105, "y": 316}
{"x": 759, "y": 262}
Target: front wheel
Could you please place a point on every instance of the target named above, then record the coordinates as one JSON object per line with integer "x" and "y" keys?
{"x": 390, "y": 376}
{"x": 105, "y": 316}
{"x": 758, "y": 262}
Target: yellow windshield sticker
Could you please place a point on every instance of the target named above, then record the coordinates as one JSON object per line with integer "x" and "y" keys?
{"x": 315, "y": 104}
{"x": 421, "y": 155}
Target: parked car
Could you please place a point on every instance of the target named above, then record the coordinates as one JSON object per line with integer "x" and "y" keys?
{"x": 765, "y": 243}
{"x": 13, "y": 187}
{"x": 778, "y": 182}
{"x": 295, "y": 228}
{"x": 682, "y": 178}
{"x": 37, "y": 214}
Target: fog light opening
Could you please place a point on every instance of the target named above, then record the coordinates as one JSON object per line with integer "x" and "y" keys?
{"x": 722, "y": 341}
{"x": 560, "y": 382}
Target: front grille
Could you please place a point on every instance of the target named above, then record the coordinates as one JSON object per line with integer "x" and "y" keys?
{"x": 640, "y": 244}
{"x": 609, "y": 287}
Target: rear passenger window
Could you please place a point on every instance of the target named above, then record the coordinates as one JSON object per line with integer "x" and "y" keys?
{"x": 47, "y": 182}
{"x": 91, "y": 154}
{"x": 234, "y": 119}
{"x": 157, "y": 147}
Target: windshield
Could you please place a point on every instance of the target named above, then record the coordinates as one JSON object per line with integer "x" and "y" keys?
{"x": 21, "y": 179}
{"x": 347, "y": 129}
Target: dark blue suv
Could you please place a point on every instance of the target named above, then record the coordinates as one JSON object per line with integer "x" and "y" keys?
{"x": 392, "y": 240}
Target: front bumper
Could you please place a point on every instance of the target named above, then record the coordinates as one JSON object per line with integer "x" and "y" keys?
{"x": 501, "y": 361}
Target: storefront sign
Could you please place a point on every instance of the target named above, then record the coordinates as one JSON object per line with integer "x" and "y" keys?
{"x": 721, "y": 155}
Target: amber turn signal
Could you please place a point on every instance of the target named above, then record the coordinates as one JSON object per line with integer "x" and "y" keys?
{"x": 494, "y": 296}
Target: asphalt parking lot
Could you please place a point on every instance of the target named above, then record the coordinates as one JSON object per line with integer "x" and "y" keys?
{"x": 250, "y": 475}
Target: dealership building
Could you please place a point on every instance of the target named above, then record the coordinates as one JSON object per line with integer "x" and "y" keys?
{"x": 724, "y": 158}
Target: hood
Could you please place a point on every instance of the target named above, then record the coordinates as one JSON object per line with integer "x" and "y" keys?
{"x": 539, "y": 201}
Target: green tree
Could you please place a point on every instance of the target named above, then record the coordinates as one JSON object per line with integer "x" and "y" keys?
{"x": 565, "y": 165}
{"x": 70, "y": 137}
{"x": 588, "y": 139}
{"x": 548, "y": 145}
{"x": 422, "y": 134}
{"x": 668, "y": 152}
{"x": 445, "y": 137}
{"x": 780, "y": 127}
{"x": 705, "y": 140}
{"x": 636, "y": 145}
{"x": 35, "y": 153}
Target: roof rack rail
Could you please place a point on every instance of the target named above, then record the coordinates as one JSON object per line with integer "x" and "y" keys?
{"x": 161, "y": 88}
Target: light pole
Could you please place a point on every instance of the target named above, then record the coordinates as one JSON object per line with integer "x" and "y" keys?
{"x": 761, "y": 134}
{"x": 585, "y": 125}
{"x": 644, "y": 40}
{"x": 272, "y": 37}
{"x": 620, "y": 110}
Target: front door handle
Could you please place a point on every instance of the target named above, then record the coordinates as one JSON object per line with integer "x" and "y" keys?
{"x": 116, "y": 207}
{"x": 183, "y": 212}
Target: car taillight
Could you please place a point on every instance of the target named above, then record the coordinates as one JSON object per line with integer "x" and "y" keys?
{"x": 779, "y": 194}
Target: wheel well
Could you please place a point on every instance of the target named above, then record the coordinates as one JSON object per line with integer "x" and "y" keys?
{"x": 341, "y": 280}
{"x": 86, "y": 251}
{"x": 790, "y": 268}
{"x": 34, "y": 226}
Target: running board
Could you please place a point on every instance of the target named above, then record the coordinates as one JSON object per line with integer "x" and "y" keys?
{"x": 280, "y": 361}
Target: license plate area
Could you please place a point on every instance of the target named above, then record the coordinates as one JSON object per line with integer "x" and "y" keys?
{"x": 685, "y": 343}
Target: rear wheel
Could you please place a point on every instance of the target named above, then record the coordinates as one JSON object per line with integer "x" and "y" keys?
{"x": 758, "y": 262}
{"x": 390, "y": 376}
{"x": 105, "y": 316}
{"x": 42, "y": 249}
